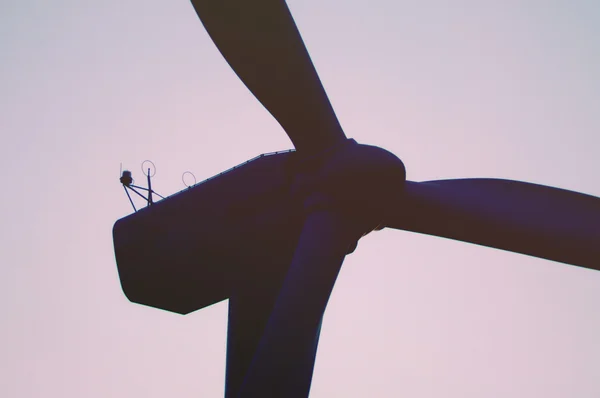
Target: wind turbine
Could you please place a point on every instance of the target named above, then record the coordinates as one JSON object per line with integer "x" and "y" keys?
{"x": 272, "y": 233}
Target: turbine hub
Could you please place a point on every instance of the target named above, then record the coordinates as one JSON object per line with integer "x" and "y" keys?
{"x": 362, "y": 181}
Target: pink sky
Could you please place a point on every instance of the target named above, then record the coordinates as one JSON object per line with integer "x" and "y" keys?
{"x": 480, "y": 89}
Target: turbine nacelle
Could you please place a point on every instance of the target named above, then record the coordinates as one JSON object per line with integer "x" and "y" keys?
{"x": 272, "y": 234}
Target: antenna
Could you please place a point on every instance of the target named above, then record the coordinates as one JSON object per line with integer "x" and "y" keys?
{"x": 188, "y": 185}
{"x": 148, "y": 175}
{"x": 127, "y": 180}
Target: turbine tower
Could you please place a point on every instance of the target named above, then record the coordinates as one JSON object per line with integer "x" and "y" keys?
{"x": 271, "y": 234}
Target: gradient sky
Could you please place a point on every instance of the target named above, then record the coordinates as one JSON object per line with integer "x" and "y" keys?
{"x": 506, "y": 89}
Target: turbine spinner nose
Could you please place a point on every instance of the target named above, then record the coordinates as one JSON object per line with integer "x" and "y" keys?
{"x": 364, "y": 173}
{"x": 360, "y": 180}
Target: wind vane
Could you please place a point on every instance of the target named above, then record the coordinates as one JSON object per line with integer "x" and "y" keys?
{"x": 271, "y": 234}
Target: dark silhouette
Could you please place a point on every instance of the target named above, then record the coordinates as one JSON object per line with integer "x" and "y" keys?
{"x": 271, "y": 235}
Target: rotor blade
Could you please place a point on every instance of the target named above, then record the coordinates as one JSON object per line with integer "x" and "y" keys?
{"x": 261, "y": 43}
{"x": 248, "y": 315}
{"x": 537, "y": 220}
{"x": 254, "y": 292}
{"x": 284, "y": 360}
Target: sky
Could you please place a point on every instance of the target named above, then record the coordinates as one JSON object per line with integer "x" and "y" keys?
{"x": 502, "y": 89}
